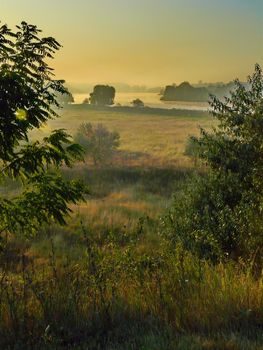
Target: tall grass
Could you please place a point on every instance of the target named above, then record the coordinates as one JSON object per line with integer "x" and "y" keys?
{"x": 116, "y": 292}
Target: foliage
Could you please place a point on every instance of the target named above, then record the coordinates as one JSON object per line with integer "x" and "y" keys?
{"x": 98, "y": 142}
{"x": 222, "y": 213}
{"x": 27, "y": 100}
{"x": 137, "y": 103}
{"x": 102, "y": 95}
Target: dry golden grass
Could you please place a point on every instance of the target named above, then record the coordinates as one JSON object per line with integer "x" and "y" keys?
{"x": 146, "y": 140}
{"x": 114, "y": 287}
{"x": 117, "y": 210}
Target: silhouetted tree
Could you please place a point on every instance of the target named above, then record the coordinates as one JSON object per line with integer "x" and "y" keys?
{"x": 102, "y": 95}
{"x": 185, "y": 92}
{"x": 137, "y": 103}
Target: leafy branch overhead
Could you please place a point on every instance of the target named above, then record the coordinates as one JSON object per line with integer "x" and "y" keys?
{"x": 28, "y": 99}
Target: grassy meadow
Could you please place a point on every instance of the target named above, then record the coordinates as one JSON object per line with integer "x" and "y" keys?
{"x": 148, "y": 167}
{"x": 152, "y": 139}
{"x": 108, "y": 280}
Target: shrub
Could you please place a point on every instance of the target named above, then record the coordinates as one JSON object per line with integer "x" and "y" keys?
{"x": 221, "y": 213}
{"x": 98, "y": 142}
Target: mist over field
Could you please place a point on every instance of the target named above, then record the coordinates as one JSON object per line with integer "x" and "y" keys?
{"x": 131, "y": 188}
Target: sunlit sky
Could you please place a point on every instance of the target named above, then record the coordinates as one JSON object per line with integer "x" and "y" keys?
{"x": 147, "y": 42}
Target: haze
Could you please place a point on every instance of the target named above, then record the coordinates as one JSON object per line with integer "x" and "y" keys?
{"x": 149, "y": 42}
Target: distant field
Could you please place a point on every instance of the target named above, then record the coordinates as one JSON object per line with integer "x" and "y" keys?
{"x": 146, "y": 139}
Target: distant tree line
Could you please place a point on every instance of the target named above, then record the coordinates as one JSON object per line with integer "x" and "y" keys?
{"x": 104, "y": 95}
{"x": 187, "y": 92}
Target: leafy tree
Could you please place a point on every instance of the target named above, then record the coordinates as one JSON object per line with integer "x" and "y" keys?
{"x": 222, "y": 213}
{"x": 137, "y": 103}
{"x": 102, "y": 95}
{"x": 98, "y": 142}
{"x": 28, "y": 93}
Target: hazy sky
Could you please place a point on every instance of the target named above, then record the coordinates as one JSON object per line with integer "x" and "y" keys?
{"x": 151, "y": 42}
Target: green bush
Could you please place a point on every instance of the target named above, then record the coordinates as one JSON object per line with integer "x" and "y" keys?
{"x": 220, "y": 214}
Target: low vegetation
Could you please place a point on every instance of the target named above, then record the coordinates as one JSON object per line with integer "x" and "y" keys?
{"x": 98, "y": 142}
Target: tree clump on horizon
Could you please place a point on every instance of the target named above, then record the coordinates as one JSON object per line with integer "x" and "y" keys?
{"x": 185, "y": 92}
{"x": 200, "y": 93}
{"x": 102, "y": 95}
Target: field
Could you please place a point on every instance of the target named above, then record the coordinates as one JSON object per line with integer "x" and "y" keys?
{"x": 108, "y": 279}
{"x": 147, "y": 139}
{"x": 148, "y": 167}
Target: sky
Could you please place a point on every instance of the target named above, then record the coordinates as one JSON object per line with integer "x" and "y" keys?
{"x": 147, "y": 42}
